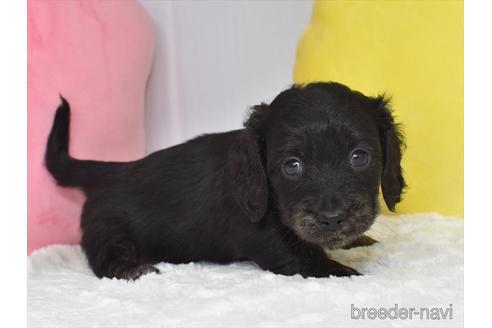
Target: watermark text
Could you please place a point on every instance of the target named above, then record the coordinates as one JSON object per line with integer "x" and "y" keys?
{"x": 401, "y": 313}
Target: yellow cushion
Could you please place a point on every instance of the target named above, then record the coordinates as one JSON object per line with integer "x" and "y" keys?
{"x": 413, "y": 50}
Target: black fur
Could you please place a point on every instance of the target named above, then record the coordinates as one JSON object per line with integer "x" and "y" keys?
{"x": 226, "y": 197}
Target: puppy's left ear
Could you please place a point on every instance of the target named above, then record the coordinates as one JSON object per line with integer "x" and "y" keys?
{"x": 392, "y": 143}
{"x": 249, "y": 181}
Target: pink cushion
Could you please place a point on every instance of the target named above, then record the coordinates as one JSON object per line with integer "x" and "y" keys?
{"x": 98, "y": 55}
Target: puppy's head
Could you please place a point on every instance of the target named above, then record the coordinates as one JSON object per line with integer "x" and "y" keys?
{"x": 317, "y": 154}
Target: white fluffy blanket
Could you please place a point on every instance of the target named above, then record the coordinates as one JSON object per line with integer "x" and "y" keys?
{"x": 418, "y": 263}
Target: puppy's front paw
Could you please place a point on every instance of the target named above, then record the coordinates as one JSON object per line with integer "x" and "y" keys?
{"x": 344, "y": 271}
{"x": 330, "y": 268}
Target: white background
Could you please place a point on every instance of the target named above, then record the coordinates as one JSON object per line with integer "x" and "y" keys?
{"x": 214, "y": 59}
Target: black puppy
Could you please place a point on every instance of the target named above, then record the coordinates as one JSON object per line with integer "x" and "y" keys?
{"x": 302, "y": 175}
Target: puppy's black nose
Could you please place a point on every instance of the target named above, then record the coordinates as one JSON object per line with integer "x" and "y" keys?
{"x": 331, "y": 211}
{"x": 332, "y": 217}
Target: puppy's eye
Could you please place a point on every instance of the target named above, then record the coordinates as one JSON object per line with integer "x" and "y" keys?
{"x": 359, "y": 159}
{"x": 292, "y": 167}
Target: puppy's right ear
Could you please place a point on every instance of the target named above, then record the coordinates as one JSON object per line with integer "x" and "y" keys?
{"x": 246, "y": 167}
{"x": 257, "y": 119}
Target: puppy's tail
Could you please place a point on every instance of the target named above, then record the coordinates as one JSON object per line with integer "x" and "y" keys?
{"x": 67, "y": 171}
